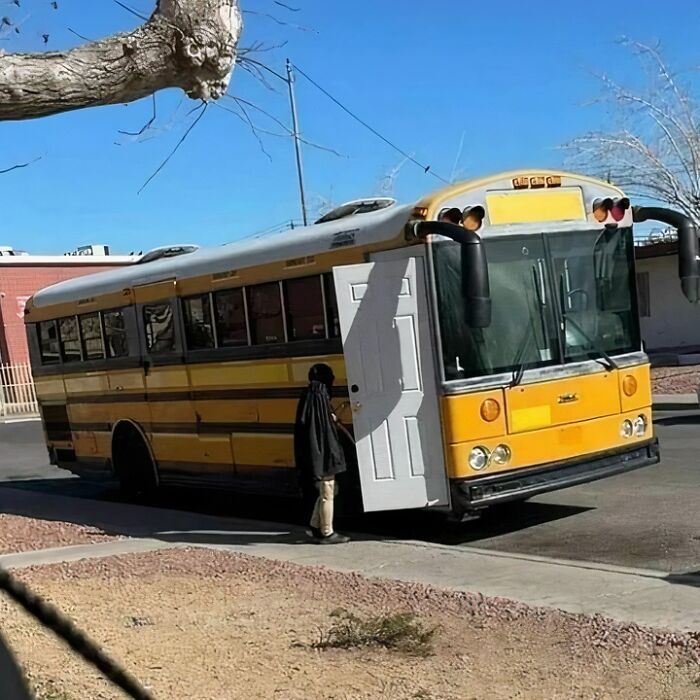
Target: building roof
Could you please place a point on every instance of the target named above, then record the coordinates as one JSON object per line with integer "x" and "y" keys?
{"x": 67, "y": 260}
{"x": 656, "y": 250}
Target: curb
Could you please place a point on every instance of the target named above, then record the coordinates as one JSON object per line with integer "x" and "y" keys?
{"x": 675, "y": 402}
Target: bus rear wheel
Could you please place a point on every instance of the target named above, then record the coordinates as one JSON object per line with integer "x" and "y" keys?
{"x": 133, "y": 463}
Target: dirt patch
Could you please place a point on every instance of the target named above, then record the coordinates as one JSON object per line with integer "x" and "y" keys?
{"x": 206, "y": 624}
{"x": 20, "y": 534}
{"x": 675, "y": 380}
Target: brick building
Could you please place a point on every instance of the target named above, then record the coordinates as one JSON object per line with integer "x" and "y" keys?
{"x": 21, "y": 275}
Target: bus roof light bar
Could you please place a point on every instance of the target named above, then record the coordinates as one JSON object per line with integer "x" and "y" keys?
{"x": 688, "y": 248}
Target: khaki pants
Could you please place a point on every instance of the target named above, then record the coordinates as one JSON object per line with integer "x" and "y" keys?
{"x": 322, "y": 516}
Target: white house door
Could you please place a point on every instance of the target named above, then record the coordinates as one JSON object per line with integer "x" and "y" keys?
{"x": 389, "y": 360}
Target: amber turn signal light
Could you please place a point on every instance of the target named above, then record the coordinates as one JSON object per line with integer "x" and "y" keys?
{"x": 629, "y": 385}
{"x": 490, "y": 410}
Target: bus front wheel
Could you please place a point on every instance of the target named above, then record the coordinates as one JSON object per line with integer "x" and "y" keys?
{"x": 133, "y": 463}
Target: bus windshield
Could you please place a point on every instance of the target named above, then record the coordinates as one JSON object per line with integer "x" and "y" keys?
{"x": 555, "y": 299}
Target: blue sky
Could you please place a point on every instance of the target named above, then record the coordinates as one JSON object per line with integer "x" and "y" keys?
{"x": 512, "y": 77}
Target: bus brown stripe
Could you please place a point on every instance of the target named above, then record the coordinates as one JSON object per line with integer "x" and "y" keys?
{"x": 198, "y": 395}
{"x": 194, "y": 428}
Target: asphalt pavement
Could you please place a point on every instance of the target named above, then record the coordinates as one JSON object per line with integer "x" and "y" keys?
{"x": 645, "y": 519}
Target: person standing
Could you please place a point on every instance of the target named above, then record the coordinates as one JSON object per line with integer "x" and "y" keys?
{"x": 318, "y": 453}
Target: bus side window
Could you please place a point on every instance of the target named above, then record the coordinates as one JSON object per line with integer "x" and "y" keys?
{"x": 48, "y": 343}
{"x": 265, "y": 313}
{"x": 91, "y": 334}
{"x": 70, "y": 339}
{"x": 160, "y": 328}
{"x": 231, "y": 328}
{"x": 331, "y": 306}
{"x": 115, "y": 333}
{"x": 304, "y": 305}
{"x": 199, "y": 330}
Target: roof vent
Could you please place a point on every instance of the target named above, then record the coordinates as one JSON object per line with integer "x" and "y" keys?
{"x": 357, "y": 206}
{"x": 170, "y": 251}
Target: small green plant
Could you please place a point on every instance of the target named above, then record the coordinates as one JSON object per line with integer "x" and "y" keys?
{"x": 396, "y": 631}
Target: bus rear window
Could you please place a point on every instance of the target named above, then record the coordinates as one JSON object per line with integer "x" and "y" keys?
{"x": 159, "y": 327}
{"x": 265, "y": 312}
{"x": 231, "y": 327}
{"x": 115, "y": 334}
{"x": 199, "y": 330}
{"x": 48, "y": 343}
{"x": 304, "y": 302}
{"x": 70, "y": 339}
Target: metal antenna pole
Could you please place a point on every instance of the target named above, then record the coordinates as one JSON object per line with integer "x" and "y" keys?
{"x": 297, "y": 141}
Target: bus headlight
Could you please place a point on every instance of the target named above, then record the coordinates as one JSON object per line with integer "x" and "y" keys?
{"x": 479, "y": 458}
{"x": 627, "y": 428}
{"x": 501, "y": 454}
{"x": 640, "y": 425}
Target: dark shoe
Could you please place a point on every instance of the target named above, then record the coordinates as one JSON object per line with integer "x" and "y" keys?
{"x": 333, "y": 538}
{"x": 315, "y": 533}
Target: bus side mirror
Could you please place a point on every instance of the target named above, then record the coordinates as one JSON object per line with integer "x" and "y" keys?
{"x": 476, "y": 291}
{"x": 688, "y": 246}
{"x": 475, "y": 285}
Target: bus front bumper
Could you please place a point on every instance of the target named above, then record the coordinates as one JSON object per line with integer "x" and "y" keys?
{"x": 480, "y": 492}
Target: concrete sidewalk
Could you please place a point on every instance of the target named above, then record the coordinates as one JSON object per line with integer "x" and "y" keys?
{"x": 675, "y": 402}
{"x": 645, "y": 597}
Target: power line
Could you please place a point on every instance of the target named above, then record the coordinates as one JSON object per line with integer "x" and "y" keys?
{"x": 425, "y": 168}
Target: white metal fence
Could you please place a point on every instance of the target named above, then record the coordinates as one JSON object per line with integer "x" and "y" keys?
{"x": 17, "y": 394}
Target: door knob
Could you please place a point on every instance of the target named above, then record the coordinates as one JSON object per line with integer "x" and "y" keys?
{"x": 356, "y": 406}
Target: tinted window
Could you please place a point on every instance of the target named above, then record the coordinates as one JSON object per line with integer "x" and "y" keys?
{"x": 304, "y": 302}
{"x": 160, "y": 328}
{"x": 332, "y": 308}
{"x": 115, "y": 334}
{"x": 70, "y": 339}
{"x": 48, "y": 342}
{"x": 230, "y": 318}
{"x": 199, "y": 330}
{"x": 92, "y": 337}
{"x": 265, "y": 310}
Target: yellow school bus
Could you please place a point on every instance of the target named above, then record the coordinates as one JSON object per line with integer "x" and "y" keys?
{"x": 485, "y": 341}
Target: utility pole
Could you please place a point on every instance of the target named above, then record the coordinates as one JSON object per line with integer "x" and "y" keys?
{"x": 297, "y": 139}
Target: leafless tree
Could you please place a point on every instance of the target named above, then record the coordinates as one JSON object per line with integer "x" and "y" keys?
{"x": 187, "y": 44}
{"x": 652, "y": 146}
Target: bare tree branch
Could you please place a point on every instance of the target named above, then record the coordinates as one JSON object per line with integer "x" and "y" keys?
{"x": 282, "y": 125}
{"x": 286, "y": 7}
{"x": 146, "y": 125}
{"x": 19, "y": 165}
{"x": 188, "y": 44}
{"x": 652, "y": 146}
{"x": 203, "y": 108}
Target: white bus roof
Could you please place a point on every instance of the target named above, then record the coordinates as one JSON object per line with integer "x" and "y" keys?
{"x": 356, "y": 230}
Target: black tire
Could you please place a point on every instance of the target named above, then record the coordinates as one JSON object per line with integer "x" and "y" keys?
{"x": 133, "y": 464}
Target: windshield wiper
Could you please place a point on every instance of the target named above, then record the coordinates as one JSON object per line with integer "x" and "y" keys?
{"x": 525, "y": 343}
{"x": 604, "y": 358}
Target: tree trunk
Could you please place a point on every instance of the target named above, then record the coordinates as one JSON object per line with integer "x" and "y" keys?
{"x": 190, "y": 44}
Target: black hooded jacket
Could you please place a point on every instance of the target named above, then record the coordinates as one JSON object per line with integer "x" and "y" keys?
{"x": 317, "y": 449}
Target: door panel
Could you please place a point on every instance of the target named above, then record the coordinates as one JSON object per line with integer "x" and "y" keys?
{"x": 389, "y": 358}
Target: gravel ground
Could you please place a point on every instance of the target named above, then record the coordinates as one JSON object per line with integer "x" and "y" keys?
{"x": 675, "y": 380}
{"x": 207, "y": 624}
{"x": 20, "y": 534}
